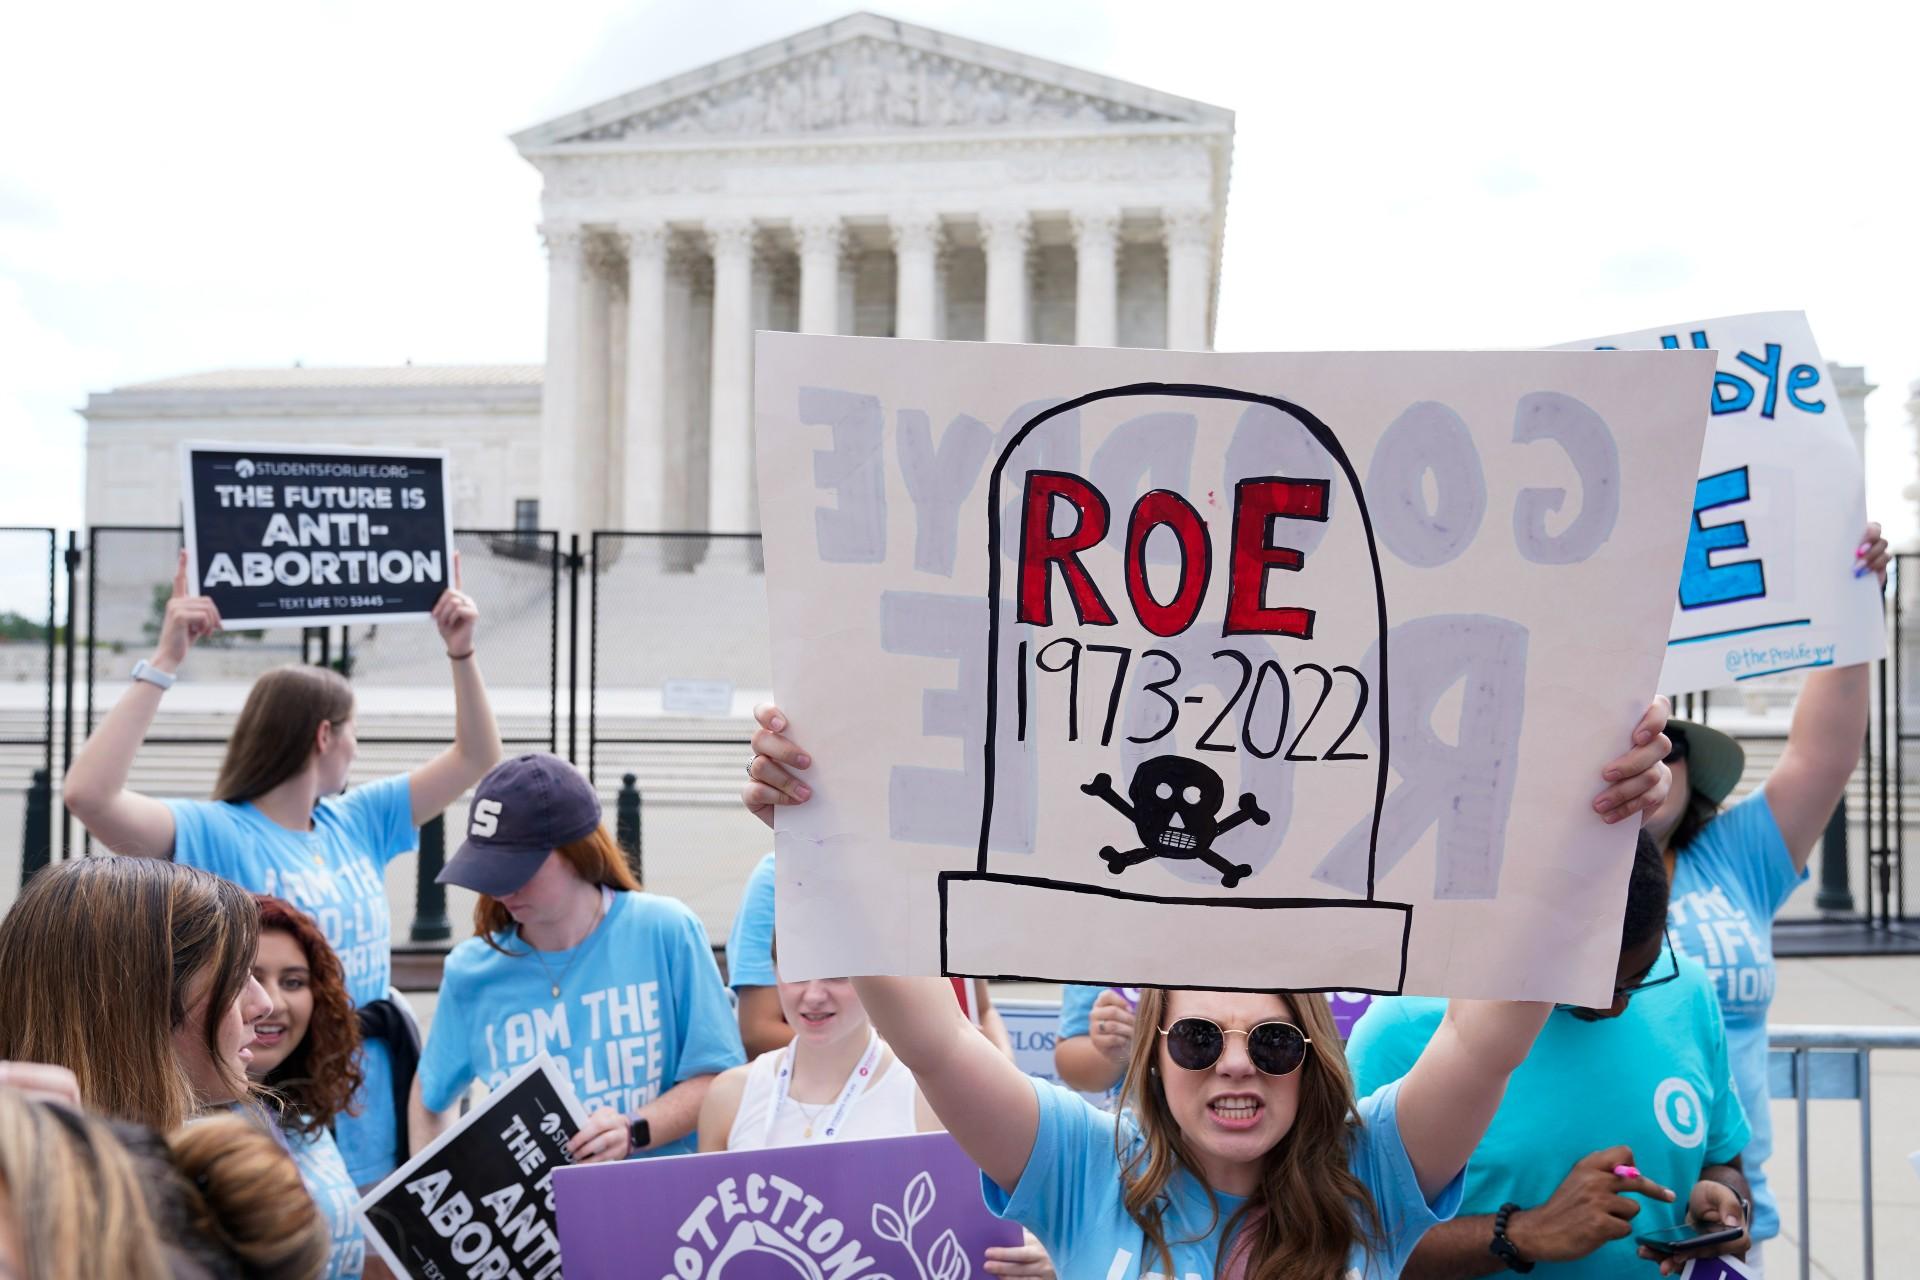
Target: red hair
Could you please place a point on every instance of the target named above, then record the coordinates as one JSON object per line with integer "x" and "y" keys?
{"x": 319, "y": 1078}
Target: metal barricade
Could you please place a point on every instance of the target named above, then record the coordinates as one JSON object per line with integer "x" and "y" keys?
{"x": 1831, "y": 1063}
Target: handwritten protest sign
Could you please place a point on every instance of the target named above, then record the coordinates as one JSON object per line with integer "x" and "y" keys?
{"x": 1768, "y": 582}
{"x": 1275, "y": 670}
{"x": 852, "y": 1210}
{"x": 478, "y": 1201}
{"x": 316, "y": 536}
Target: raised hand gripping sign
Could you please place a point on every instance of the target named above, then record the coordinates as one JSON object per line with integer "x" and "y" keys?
{"x": 1216, "y": 670}
{"x": 1768, "y": 582}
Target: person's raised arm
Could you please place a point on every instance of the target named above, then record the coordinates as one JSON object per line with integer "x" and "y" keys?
{"x": 1448, "y": 1099}
{"x": 1824, "y": 741}
{"x": 476, "y": 738}
{"x": 984, "y": 1101}
{"x": 95, "y": 790}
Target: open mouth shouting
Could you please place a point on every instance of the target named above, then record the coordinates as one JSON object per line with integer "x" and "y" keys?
{"x": 1236, "y": 1111}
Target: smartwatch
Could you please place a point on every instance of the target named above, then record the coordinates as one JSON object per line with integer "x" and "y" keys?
{"x": 639, "y": 1134}
{"x": 1503, "y": 1248}
{"x": 144, "y": 670}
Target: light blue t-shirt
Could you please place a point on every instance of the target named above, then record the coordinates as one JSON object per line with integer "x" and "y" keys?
{"x": 332, "y": 1189}
{"x": 1655, "y": 1080}
{"x": 641, "y": 1009}
{"x": 750, "y": 941}
{"x": 1076, "y": 1009}
{"x": 1070, "y": 1196}
{"x": 336, "y": 873}
{"x": 1727, "y": 886}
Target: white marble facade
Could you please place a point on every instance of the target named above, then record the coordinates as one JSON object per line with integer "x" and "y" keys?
{"x": 864, "y": 177}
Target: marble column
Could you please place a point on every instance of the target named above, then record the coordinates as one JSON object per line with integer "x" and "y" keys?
{"x": 1096, "y": 309}
{"x": 1189, "y": 235}
{"x": 729, "y": 405}
{"x": 594, "y": 427}
{"x": 818, "y": 238}
{"x": 1005, "y": 235}
{"x": 646, "y": 416}
{"x": 560, "y": 393}
{"x": 916, "y": 267}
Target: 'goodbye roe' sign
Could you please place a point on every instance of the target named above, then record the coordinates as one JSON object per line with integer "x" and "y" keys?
{"x": 1216, "y": 670}
{"x": 1768, "y": 583}
{"x": 316, "y": 535}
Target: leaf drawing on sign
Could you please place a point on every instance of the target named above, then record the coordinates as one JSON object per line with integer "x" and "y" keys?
{"x": 946, "y": 1260}
{"x": 888, "y": 1226}
{"x": 1175, "y": 805}
{"x": 919, "y": 1201}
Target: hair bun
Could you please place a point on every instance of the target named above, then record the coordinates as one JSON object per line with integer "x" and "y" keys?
{"x": 257, "y": 1209}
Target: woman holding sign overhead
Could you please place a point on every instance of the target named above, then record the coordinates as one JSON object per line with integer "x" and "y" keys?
{"x": 283, "y": 821}
{"x": 1242, "y": 1150}
{"x": 1734, "y": 868}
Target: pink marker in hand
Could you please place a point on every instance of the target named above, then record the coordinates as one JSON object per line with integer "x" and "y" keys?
{"x": 1625, "y": 1171}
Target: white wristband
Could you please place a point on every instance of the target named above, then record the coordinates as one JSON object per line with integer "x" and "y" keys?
{"x": 144, "y": 670}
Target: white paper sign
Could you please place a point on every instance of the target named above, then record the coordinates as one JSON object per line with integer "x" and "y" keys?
{"x": 1768, "y": 583}
{"x": 1092, "y": 669}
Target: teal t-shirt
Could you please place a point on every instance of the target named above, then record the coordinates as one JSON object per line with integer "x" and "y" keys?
{"x": 1070, "y": 1196}
{"x": 336, "y": 873}
{"x": 750, "y": 941}
{"x": 641, "y": 1009}
{"x": 1727, "y": 887}
{"x": 1655, "y": 1080}
{"x": 332, "y": 1189}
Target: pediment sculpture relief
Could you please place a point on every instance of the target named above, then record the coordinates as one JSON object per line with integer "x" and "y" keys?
{"x": 870, "y": 85}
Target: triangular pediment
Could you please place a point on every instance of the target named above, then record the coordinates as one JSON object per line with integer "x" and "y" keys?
{"x": 864, "y": 75}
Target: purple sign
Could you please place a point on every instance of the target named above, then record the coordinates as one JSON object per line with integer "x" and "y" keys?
{"x": 901, "y": 1208}
{"x": 1347, "y": 1007}
{"x": 1716, "y": 1269}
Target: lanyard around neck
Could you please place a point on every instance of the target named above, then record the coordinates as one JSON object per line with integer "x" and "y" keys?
{"x": 858, "y": 1079}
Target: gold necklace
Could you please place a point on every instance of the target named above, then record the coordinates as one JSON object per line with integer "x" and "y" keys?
{"x": 599, "y": 906}
{"x": 809, "y": 1116}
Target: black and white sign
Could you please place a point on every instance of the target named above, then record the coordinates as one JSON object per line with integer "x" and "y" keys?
{"x": 316, "y": 536}
{"x": 479, "y": 1200}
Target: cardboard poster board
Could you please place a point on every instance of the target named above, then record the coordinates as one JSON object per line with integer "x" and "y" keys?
{"x": 1768, "y": 583}
{"x": 882, "y": 1207}
{"x": 479, "y": 1199}
{"x": 1235, "y": 671}
{"x": 316, "y": 536}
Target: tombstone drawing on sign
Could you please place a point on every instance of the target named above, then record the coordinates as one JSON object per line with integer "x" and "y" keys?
{"x": 1199, "y": 666}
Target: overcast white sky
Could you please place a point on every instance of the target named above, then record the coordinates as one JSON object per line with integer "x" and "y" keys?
{"x": 204, "y": 185}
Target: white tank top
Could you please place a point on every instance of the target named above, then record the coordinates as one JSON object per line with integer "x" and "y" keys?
{"x": 884, "y": 1109}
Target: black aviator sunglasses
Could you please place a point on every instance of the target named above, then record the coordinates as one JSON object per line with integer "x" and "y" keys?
{"x": 1275, "y": 1048}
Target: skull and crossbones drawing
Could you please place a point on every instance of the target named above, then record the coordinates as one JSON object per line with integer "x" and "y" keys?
{"x": 1175, "y": 806}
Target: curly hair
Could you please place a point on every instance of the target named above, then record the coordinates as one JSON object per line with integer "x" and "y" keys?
{"x": 319, "y": 1078}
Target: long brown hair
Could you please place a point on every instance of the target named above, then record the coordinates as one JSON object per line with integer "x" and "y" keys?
{"x": 274, "y": 737}
{"x": 227, "y": 1200}
{"x": 1309, "y": 1210}
{"x": 318, "y": 1079}
{"x": 595, "y": 857}
{"x": 75, "y": 1193}
{"x": 101, "y": 955}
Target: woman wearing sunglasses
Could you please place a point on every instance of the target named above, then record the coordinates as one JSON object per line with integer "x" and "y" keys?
{"x": 1241, "y": 1151}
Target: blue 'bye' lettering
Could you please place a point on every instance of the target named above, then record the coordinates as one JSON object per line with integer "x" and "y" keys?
{"x": 1734, "y": 394}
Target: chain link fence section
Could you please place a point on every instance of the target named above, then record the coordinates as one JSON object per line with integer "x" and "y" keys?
{"x": 678, "y": 655}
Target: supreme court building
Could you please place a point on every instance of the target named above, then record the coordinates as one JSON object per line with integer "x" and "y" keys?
{"x": 864, "y": 177}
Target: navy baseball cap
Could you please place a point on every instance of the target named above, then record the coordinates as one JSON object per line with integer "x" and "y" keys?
{"x": 523, "y": 810}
